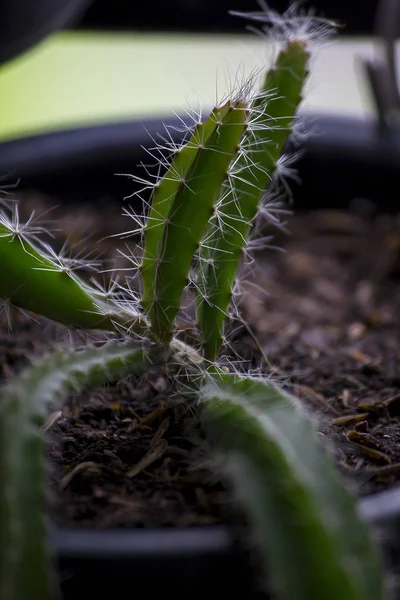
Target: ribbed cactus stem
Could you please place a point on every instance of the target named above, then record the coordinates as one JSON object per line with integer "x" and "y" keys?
{"x": 164, "y": 193}
{"x": 270, "y": 122}
{"x": 302, "y": 519}
{"x": 25, "y": 569}
{"x": 34, "y": 280}
{"x": 169, "y": 250}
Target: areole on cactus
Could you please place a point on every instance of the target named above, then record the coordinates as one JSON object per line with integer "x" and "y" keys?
{"x": 202, "y": 213}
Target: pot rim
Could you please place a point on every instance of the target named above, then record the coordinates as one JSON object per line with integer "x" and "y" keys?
{"x": 381, "y": 509}
{"x": 38, "y": 154}
{"x": 351, "y": 153}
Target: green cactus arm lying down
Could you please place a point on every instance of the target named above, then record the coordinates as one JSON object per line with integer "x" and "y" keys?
{"x": 190, "y": 210}
{"x": 304, "y": 522}
{"x": 35, "y": 281}
{"x": 270, "y": 122}
{"x": 24, "y": 403}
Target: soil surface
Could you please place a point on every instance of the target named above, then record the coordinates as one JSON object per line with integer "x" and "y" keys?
{"x": 323, "y": 319}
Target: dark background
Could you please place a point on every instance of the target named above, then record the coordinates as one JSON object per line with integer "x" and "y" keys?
{"x": 212, "y": 15}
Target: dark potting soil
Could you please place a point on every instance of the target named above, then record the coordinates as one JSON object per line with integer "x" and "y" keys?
{"x": 323, "y": 321}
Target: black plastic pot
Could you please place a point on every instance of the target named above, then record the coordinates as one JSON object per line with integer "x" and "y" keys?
{"x": 193, "y": 563}
{"x": 24, "y": 23}
{"x": 343, "y": 160}
{"x": 355, "y": 157}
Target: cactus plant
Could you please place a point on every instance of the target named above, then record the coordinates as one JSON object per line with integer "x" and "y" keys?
{"x": 203, "y": 211}
{"x": 24, "y": 562}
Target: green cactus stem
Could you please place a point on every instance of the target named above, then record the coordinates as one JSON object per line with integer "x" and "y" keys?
{"x": 34, "y": 280}
{"x": 270, "y": 123}
{"x": 304, "y": 522}
{"x": 200, "y": 176}
{"x": 163, "y": 196}
{"x": 24, "y": 403}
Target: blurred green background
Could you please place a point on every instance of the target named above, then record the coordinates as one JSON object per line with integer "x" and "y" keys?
{"x": 80, "y": 77}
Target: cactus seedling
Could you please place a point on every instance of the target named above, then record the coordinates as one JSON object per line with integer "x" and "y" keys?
{"x": 202, "y": 213}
